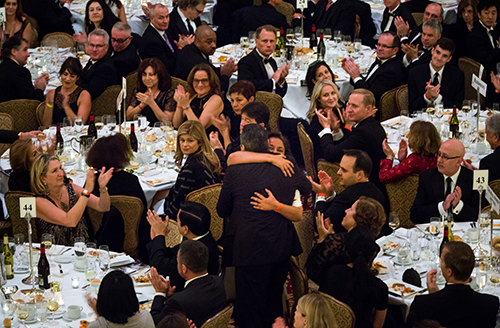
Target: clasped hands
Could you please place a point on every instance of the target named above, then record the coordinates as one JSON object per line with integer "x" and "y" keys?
{"x": 351, "y": 68}
{"x": 280, "y": 74}
{"x": 329, "y": 121}
{"x": 432, "y": 91}
{"x": 452, "y": 199}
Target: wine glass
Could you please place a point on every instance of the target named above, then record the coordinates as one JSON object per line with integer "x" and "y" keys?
{"x": 79, "y": 246}
{"x": 8, "y": 308}
{"x": 22, "y": 311}
{"x": 404, "y": 254}
{"x": 434, "y": 226}
{"x": 327, "y": 34}
{"x": 337, "y": 37}
{"x": 67, "y": 125}
{"x": 104, "y": 258}
{"x": 78, "y": 124}
{"x": 99, "y": 122}
{"x": 53, "y": 306}
{"x": 394, "y": 221}
{"x": 48, "y": 240}
{"x": 244, "y": 44}
{"x": 41, "y": 311}
{"x": 19, "y": 241}
{"x": 111, "y": 122}
{"x": 298, "y": 34}
{"x": 466, "y": 106}
{"x": 289, "y": 36}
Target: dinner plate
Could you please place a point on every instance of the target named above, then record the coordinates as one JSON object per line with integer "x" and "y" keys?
{"x": 398, "y": 261}
{"x": 64, "y": 259}
{"x": 66, "y": 318}
{"x": 390, "y": 283}
{"x": 21, "y": 269}
{"x": 389, "y": 244}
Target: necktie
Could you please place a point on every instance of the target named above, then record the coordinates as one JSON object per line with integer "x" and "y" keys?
{"x": 448, "y": 187}
{"x": 190, "y": 28}
{"x": 435, "y": 81}
{"x": 165, "y": 36}
{"x": 329, "y": 4}
{"x": 392, "y": 14}
{"x": 266, "y": 61}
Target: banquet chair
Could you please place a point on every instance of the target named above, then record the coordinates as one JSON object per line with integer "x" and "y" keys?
{"x": 357, "y": 27}
{"x": 307, "y": 151}
{"x": 40, "y": 110}
{"x": 469, "y": 67}
{"x": 305, "y": 231}
{"x": 495, "y": 185}
{"x": 131, "y": 79}
{"x": 23, "y": 112}
{"x": 387, "y": 106}
{"x": 401, "y": 194}
{"x": 221, "y": 319}
{"x": 131, "y": 210}
{"x": 173, "y": 238}
{"x": 34, "y": 31}
{"x": 176, "y": 81}
{"x": 105, "y": 104}
{"x": 287, "y": 10}
{"x": 6, "y": 123}
{"x": 298, "y": 279}
{"x": 63, "y": 40}
{"x": 419, "y": 18}
{"x": 402, "y": 98}
{"x": 331, "y": 169}
{"x": 494, "y": 215}
{"x": 19, "y": 224}
{"x": 343, "y": 313}
{"x": 209, "y": 196}
{"x": 275, "y": 104}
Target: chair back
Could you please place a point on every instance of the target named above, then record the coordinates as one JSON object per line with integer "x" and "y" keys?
{"x": 357, "y": 27}
{"x": 305, "y": 231}
{"x": 40, "y": 110}
{"x": 418, "y": 17}
{"x": 402, "y": 98}
{"x": 173, "y": 238}
{"x": 487, "y": 210}
{"x": 401, "y": 194}
{"x": 331, "y": 169}
{"x": 105, "y": 104}
{"x": 307, "y": 151}
{"x": 221, "y": 319}
{"x": 131, "y": 210}
{"x": 298, "y": 279}
{"x": 19, "y": 224}
{"x": 287, "y": 10}
{"x": 469, "y": 67}
{"x": 275, "y": 104}
{"x": 343, "y": 313}
{"x": 63, "y": 40}
{"x": 177, "y": 81}
{"x": 495, "y": 185}
{"x": 34, "y": 31}
{"x": 131, "y": 87}
{"x": 23, "y": 112}
{"x": 387, "y": 105}
{"x": 6, "y": 123}
{"x": 209, "y": 196}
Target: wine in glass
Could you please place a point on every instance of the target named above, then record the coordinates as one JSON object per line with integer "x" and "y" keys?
{"x": 466, "y": 106}
{"x": 53, "y": 306}
{"x": 22, "y": 311}
{"x": 393, "y": 221}
{"x": 99, "y": 122}
{"x": 290, "y": 36}
{"x": 41, "y": 134}
{"x": 244, "y": 43}
{"x": 48, "y": 240}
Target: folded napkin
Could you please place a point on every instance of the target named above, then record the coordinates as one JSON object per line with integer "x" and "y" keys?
{"x": 121, "y": 260}
{"x": 20, "y": 296}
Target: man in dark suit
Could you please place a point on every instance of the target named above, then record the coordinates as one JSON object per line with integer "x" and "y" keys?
{"x": 260, "y": 68}
{"x": 492, "y": 161}
{"x": 447, "y": 188}
{"x": 339, "y": 15}
{"x": 124, "y": 55}
{"x": 99, "y": 73}
{"x": 203, "y": 295}
{"x": 456, "y": 305}
{"x": 185, "y": 18}
{"x": 355, "y": 168}
{"x": 8, "y": 137}
{"x": 15, "y": 80}
{"x": 198, "y": 52}
{"x": 393, "y": 9}
{"x": 420, "y": 54}
{"x": 384, "y": 74}
{"x": 51, "y": 16}
{"x": 368, "y": 28}
{"x": 437, "y": 82}
{"x": 193, "y": 222}
{"x": 432, "y": 11}
{"x": 416, "y": 6}
{"x": 264, "y": 237}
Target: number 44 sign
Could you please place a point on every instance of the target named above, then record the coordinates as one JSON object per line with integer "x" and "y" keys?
{"x": 27, "y": 205}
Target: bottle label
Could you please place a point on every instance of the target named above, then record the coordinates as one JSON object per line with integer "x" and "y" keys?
{"x": 8, "y": 269}
{"x": 40, "y": 281}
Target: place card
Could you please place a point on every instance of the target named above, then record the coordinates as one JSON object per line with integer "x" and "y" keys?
{"x": 27, "y": 205}
{"x": 2, "y": 15}
{"x": 493, "y": 199}
{"x": 480, "y": 180}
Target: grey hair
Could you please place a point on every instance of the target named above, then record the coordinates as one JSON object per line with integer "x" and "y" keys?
{"x": 434, "y": 24}
{"x": 152, "y": 10}
{"x": 493, "y": 123}
{"x": 121, "y": 26}
{"x": 100, "y": 32}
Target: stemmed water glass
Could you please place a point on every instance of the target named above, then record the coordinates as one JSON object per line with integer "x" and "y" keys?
{"x": 41, "y": 311}
{"x": 8, "y": 308}
{"x": 404, "y": 254}
{"x": 104, "y": 258}
{"x": 394, "y": 221}
{"x": 78, "y": 124}
{"x": 110, "y": 122}
{"x": 22, "y": 311}
{"x": 434, "y": 226}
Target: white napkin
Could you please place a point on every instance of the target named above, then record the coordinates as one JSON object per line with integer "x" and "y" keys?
{"x": 121, "y": 260}
{"x": 20, "y": 296}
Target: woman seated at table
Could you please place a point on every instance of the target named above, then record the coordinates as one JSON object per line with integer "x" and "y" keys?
{"x": 206, "y": 104}
{"x": 317, "y": 72}
{"x": 69, "y": 100}
{"x": 60, "y": 205}
{"x": 330, "y": 247}
{"x": 97, "y": 15}
{"x": 355, "y": 284}
{"x": 117, "y": 305}
{"x": 424, "y": 142}
{"x": 118, "y": 9}
{"x": 115, "y": 152}
{"x": 459, "y": 31}
{"x": 201, "y": 167}
{"x": 154, "y": 96}
{"x": 16, "y": 23}
{"x": 21, "y": 156}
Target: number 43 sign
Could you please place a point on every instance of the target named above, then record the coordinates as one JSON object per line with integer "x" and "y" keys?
{"x": 480, "y": 180}
{"x": 27, "y": 205}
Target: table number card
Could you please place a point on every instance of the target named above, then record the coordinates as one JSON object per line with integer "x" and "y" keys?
{"x": 27, "y": 205}
{"x": 480, "y": 180}
{"x": 301, "y": 4}
{"x": 2, "y": 15}
{"x": 479, "y": 85}
{"x": 493, "y": 199}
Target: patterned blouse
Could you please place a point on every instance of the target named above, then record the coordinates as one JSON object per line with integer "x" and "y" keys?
{"x": 412, "y": 164}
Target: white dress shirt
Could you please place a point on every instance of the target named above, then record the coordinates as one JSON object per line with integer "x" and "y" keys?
{"x": 184, "y": 18}
{"x": 460, "y": 204}
{"x": 391, "y": 19}
{"x": 439, "y": 98}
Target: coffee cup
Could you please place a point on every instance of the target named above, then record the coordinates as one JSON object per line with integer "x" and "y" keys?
{"x": 473, "y": 234}
{"x": 74, "y": 311}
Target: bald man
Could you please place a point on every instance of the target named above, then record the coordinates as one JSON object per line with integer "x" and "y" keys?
{"x": 198, "y": 52}
{"x": 447, "y": 188}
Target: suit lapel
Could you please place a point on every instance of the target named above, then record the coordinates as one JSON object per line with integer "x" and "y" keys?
{"x": 385, "y": 18}
{"x": 332, "y": 12}
{"x": 261, "y": 63}
{"x": 182, "y": 26}
{"x": 438, "y": 185}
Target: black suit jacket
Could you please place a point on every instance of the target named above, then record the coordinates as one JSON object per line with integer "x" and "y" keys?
{"x": 368, "y": 28}
{"x": 431, "y": 191}
{"x": 452, "y": 86}
{"x": 251, "y": 68}
{"x": 164, "y": 259}
{"x": 96, "y": 78}
{"x": 492, "y": 164}
{"x": 340, "y": 16}
{"x": 401, "y": 11}
{"x": 199, "y": 301}
{"x": 15, "y": 82}
{"x": 7, "y": 136}
{"x": 154, "y": 46}
{"x": 177, "y": 26}
{"x": 49, "y": 16}
{"x": 456, "y": 306}
{"x": 416, "y": 6}
{"x": 260, "y": 237}
{"x": 125, "y": 61}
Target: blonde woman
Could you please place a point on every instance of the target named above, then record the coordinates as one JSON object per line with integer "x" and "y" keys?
{"x": 199, "y": 165}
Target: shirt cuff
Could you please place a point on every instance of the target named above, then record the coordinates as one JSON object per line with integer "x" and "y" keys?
{"x": 324, "y": 198}
{"x": 404, "y": 38}
{"x": 441, "y": 209}
{"x": 339, "y": 135}
{"x": 427, "y": 101}
{"x": 357, "y": 79}
{"x": 458, "y": 208}
{"x": 161, "y": 294}
{"x": 66, "y": 5}
{"x": 438, "y": 100}
{"x": 405, "y": 62}
{"x": 274, "y": 85}
{"x": 324, "y": 131}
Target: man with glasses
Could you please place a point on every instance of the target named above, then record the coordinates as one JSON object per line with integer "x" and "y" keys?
{"x": 432, "y": 11}
{"x": 99, "y": 73}
{"x": 124, "y": 55}
{"x": 384, "y": 74}
{"x": 186, "y": 18}
{"x": 447, "y": 188}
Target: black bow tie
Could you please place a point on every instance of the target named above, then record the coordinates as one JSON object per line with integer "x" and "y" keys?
{"x": 267, "y": 60}
{"x": 392, "y": 14}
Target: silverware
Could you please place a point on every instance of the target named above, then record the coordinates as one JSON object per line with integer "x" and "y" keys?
{"x": 60, "y": 269}
{"x": 67, "y": 249}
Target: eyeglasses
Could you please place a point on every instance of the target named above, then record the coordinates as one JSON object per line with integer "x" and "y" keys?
{"x": 202, "y": 81}
{"x": 119, "y": 40}
{"x": 446, "y": 157}
{"x": 383, "y": 46}
{"x": 98, "y": 46}
{"x": 198, "y": 11}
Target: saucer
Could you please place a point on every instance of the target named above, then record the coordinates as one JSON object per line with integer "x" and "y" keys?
{"x": 57, "y": 315}
{"x": 398, "y": 262}
{"x": 78, "y": 269}
{"x": 64, "y": 259}
{"x": 66, "y": 318}
{"x": 21, "y": 269}
{"x": 28, "y": 322}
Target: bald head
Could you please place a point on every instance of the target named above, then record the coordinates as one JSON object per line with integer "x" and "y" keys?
{"x": 451, "y": 156}
{"x": 433, "y": 11}
{"x": 205, "y": 39}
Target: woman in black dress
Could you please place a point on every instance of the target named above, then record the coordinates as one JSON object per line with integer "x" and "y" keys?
{"x": 16, "y": 23}
{"x": 97, "y": 15}
{"x": 459, "y": 31}
{"x": 21, "y": 156}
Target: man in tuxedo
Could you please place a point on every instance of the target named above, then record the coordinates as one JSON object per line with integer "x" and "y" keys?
{"x": 260, "y": 68}
{"x": 99, "y": 73}
{"x": 336, "y": 15}
{"x": 491, "y": 162}
{"x": 384, "y": 74}
{"x": 355, "y": 168}
{"x": 198, "y": 52}
{"x": 368, "y": 29}
{"x": 15, "y": 80}
{"x": 393, "y": 9}
{"x": 416, "y": 6}
{"x": 124, "y": 55}
{"x": 203, "y": 295}
{"x": 447, "y": 188}
{"x": 261, "y": 239}
{"x": 193, "y": 222}
{"x": 456, "y": 305}
{"x": 51, "y": 16}
{"x": 437, "y": 82}
{"x": 185, "y": 18}
{"x": 432, "y": 11}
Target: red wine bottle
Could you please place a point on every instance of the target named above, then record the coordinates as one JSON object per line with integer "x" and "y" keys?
{"x": 43, "y": 269}
{"x": 92, "y": 131}
{"x": 59, "y": 141}
{"x": 133, "y": 138}
{"x": 321, "y": 48}
{"x": 445, "y": 239}
{"x": 313, "y": 41}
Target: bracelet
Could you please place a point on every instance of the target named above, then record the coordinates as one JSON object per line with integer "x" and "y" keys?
{"x": 103, "y": 190}
{"x": 85, "y": 193}
{"x": 188, "y": 107}
{"x": 49, "y": 105}
{"x": 279, "y": 207}
{"x": 180, "y": 107}
{"x": 497, "y": 91}
{"x": 321, "y": 194}
{"x": 426, "y": 96}
{"x": 20, "y": 135}
{"x": 140, "y": 107}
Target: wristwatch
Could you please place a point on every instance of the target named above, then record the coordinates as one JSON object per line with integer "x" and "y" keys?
{"x": 85, "y": 193}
